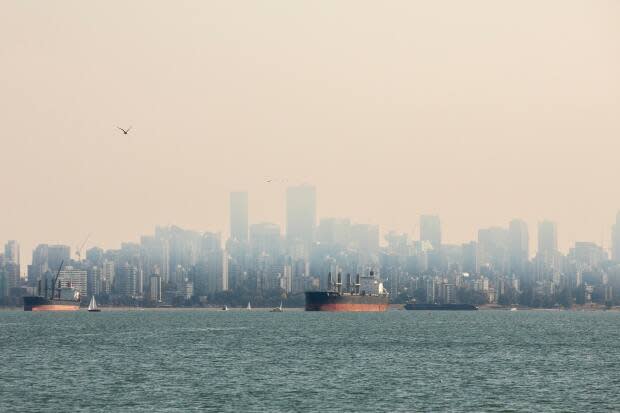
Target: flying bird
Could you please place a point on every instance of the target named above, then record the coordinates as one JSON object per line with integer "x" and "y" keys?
{"x": 125, "y": 132}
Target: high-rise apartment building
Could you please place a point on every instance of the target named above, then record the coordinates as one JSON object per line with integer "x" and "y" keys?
{"x": 126, "y": 280}
{"x": 547, "y": 238}
{"x": 74, "y": 278}
{"x": 39, "y": 264}
{"x": 430, "y": 230}
{"x": 518, "y": 245}
{"x": 301, "y": 213}
{"x": 239, "y": 216}
{"x": 334, "y": 231}
{"x": 11, "y": 265}
{"x": 265, "y": 239}
{"x": 493, "y": 248}
{"x": 155, "y": 288}
{"x": 11, "y": 252}
{"x": 470, "y": 258}
{"x": 107, "y": 276}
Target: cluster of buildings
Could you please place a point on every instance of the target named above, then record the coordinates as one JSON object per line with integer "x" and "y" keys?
{"x": 263, "y": 263}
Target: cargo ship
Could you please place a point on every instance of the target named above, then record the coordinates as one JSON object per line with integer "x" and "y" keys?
{"x": 56, "y": 298}
{"x": 448, "y": 307}
{"x": 367, "y": 294}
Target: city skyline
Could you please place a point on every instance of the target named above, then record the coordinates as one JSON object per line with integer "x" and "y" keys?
{"x": 183, "y": 267}
{"x": 239, "y": 203}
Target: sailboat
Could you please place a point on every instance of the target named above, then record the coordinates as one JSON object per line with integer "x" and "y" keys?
{"x": 278, "y": 309}
{"x": 225, "y": 308}
{"x": 92, "y": 307}
{"x": 249, "y": 307}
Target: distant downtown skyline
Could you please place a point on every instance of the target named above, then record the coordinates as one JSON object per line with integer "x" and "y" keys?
{"x": 301, "y": 221}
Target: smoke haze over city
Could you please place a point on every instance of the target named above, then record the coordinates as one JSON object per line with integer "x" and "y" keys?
{"x": 479, "y": 112}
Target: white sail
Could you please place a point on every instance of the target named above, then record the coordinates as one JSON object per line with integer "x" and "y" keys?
{"x": 281, "y": 306}
{"x": 249, "y": 306}
{"x": 93, "y": 304}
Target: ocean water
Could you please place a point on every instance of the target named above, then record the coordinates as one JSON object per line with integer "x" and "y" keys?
{"x": 241, "y": 361}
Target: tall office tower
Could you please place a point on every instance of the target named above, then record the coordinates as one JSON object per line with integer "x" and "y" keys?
{"x": 11, "y": 252}
{"x": 430, "y": 230}
{"x": 588, "y": 254}
{"x": 470, "y": 258}
{"x": 547, "y": 237}
{"x": 39, "y": 264}
{"x": 12, "y": 275}
{"x": 11, "y": 264}
{"x": 265, "y": 239}
{"x": 95, "y": 255}
{"x": 155, "y": 288}
{"x": 210, "y": 274}
{"x": 365, "y": 238}
{"x": 107, "y": 276}
{"x": 518, "y": 244}
{"x": 217, "y": 271}
{"x": 239, "y": 216}
{"x": 301, "y": 213}
{"x": 94, "y": 280}
{"x": 126, "y": 280}
{"x": 615, "y": 239}
{"x": 57, "y": 254}
{"x": 334, "y": 231}
{"x": 183, "y": 249}
{"x": 493, "y": 248}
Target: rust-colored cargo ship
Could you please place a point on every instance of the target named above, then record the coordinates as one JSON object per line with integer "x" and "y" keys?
{"x": 58, "y": 299}
{"x": 367, "y": 294}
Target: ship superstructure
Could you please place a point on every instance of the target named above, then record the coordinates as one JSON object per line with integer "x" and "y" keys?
{"x": 366, "y": 294}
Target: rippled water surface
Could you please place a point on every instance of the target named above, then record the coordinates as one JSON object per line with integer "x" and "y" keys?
{"x": 197, "y": 360}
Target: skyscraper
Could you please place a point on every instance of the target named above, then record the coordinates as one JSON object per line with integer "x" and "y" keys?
{"x": 301, "y": 213}
{"x": 11, "y": 264}
{"x": 75, "y": 278}
{"x": 430, "y": 230}
{"x": 547, "y": 237}
{"x": 518, "y": 245}
{"x": 334, "y": 231}
{"x": 39, "y": 264}
{"x": 11, "y": 252}
{"x": 57, "y": 254}
{"x": 239, "y": 216}
{"x": 265, "y": 239}
{"x": 615, "y": 239}
{"x": 493, "y": 248}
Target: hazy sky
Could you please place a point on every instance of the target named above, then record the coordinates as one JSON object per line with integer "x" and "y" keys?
{"x": 479, "y": 111}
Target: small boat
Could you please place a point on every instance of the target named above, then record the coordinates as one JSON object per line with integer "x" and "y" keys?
{"x": 278, "y": 309}
{"x": 225, "y": 308}
{"x": 249, "y": 307}
{"x": 92, "y": 307}
{"x": 513, "y": 309}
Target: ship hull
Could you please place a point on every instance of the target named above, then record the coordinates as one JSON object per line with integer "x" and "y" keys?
{"x": 336, "y": 302}
{"x": 36, "y": 303}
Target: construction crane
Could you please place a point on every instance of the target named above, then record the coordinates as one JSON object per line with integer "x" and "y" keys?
{"x": 78, "y": 250}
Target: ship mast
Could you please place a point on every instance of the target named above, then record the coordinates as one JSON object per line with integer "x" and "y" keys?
{"x": 56, "y": 278}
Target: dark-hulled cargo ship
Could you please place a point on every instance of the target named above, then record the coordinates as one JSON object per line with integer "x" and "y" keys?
{"x": 367, "y": 294}
{"x": 56, "y": 298}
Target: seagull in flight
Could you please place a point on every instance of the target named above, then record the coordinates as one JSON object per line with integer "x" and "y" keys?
{"x": 125, "y": 131}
